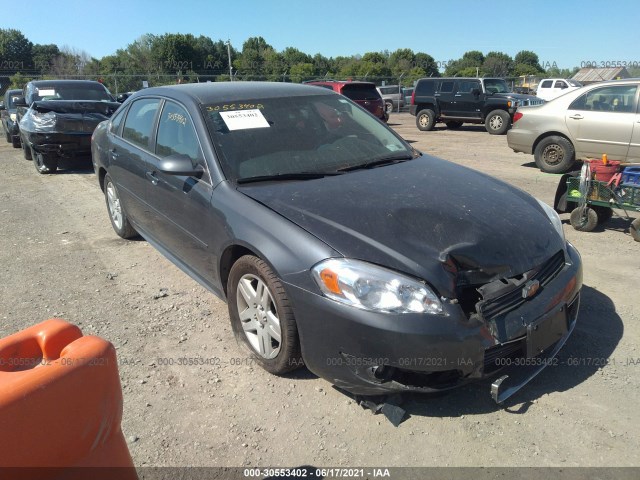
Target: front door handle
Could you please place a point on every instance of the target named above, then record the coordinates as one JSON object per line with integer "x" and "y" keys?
{"x": 152, "y": 176}
{"x": 577, "y": 116}
{"x": 114, "y": 153}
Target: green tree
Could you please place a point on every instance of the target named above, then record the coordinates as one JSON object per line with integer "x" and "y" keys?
{"x": 15, "y": 48}
{"x": 301, "y": 72}
{"x": 18, "y": 80}
{"x": 43, "y": 56}
{"x": 470, "y": 61}
{"x": 497, "y": 64}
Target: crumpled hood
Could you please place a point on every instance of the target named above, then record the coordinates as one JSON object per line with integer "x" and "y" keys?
{"x": 426, "y": 217}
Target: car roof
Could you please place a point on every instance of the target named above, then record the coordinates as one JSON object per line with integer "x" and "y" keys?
{"x": 46, "y": 83}
{"x": 215, "y": 92}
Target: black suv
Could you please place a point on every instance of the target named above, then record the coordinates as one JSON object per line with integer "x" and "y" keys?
{"x": 455, "y": 101}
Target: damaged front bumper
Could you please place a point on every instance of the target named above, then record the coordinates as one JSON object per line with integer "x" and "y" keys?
{"x": 67, "y": 145}
{"x": 370, "y": 353}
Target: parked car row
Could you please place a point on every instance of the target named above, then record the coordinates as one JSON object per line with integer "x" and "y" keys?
{"x": 289, "y": 202}
{"x": 575, "y": 123}
{"x": 8, "y": 117}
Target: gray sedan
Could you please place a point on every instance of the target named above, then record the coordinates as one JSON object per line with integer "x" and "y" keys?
{"x": 585, "y": 123}
{"x": 336, "y": 244}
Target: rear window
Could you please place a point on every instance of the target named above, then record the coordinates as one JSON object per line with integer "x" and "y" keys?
{"x": 389, "y": 90}
{"x": 426, "y": 87}
{"x": 360, "y": 92}
{"x": 72, "y": 92}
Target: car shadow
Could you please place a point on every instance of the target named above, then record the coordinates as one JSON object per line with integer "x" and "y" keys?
{"x": 597, "y": 333}
{"x": 530, "y": 165}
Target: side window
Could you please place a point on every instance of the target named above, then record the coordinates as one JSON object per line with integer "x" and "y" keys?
{"x": 546, "y": 84}
{"x": 425, "y": 87}
{"x": 560, "y": 84}
{"x": 467, "y": 86}
{"x": 619, "y": 98}
{"x": 116, "y": 121}
{"x": 139, "y": 123}
{"x": 446, "y": 87}
{"x": 177, "y": 135}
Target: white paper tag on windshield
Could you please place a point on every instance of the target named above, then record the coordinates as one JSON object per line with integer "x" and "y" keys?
{"x": 47, "y": 93}
{"x": 244, "y": 119}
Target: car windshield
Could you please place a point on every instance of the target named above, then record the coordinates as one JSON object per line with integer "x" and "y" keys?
{"x": 311, "y": 134}
{"x": 496, "y": 85}
{"x": 75, "y": 92}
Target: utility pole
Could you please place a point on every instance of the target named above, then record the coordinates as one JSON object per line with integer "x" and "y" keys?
{"x": 228, "y": 44}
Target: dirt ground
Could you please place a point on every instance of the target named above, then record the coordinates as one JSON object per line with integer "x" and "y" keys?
{"x": 60, "y": 257}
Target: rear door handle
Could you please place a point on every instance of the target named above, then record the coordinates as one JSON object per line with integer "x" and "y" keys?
{"x": 152, "y": 176}
{"x": 577, "y": 116}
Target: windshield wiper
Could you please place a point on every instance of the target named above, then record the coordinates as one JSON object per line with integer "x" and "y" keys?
{"x": 286, "y": 176}
{"x": 388, "y": 160}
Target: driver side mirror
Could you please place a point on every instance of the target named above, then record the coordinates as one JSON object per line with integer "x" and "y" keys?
{"x": 179, "y": 164}
{"x": 2, "y": 106}
{"x": 19, "y": 102}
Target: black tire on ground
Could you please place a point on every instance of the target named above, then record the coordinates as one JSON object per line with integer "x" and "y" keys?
{"x": 26, "y": 151}
{"x": 554, "y": 154}
{"x": 7, "y": 135}
{"x": 453, "y": 125}
{"x": 388, "y": 106}
{"x": 248, "y": 276}
{"x": 117, "y": 215}
{"x": 584, "y": 222}
{"x": 604, "y": 213}
{"x": 497, "y": 122}
{"x": 15, "y": 142}
{"x": 45, "y": 163}
{"x": 426, "y": 120}
{"x": 634, "y": 229}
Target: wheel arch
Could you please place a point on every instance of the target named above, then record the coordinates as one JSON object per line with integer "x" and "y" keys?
{"x": 231, "y": 255}
{"x": 102, "y": 172}
{"x": 551, "y": 134}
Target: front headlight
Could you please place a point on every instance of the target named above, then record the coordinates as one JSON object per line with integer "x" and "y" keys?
{"x": 554, "y": 218}
{"x": 370, "y": 287}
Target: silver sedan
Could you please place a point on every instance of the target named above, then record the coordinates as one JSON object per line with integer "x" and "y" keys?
{"x": 585, "y": 123}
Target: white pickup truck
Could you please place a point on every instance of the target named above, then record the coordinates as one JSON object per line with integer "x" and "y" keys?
{"x": 550, "y": 88}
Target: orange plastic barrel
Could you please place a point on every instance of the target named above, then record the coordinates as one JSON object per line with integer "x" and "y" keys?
{"x": 60, "y": 406}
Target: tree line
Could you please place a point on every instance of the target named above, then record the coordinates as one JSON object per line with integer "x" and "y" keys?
{"x": 177, "y": 58}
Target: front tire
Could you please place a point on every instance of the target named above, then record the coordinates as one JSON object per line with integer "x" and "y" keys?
{"x": 45, "y": 163}
{"x": 261, "y": 316}
{"x": 26, "y": 151}
{"x": 117, "y": 215}
{"x": 388, "y": 107}
{"x": 497, "y": 122}
{"x": 554, "y": 154}
{"x": 15, "y": 141}
{"x": 426, "y": 120}
{"x": 634, "y": 229}
{"x": 584, "y": 221}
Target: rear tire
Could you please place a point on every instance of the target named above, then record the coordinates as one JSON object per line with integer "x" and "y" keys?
{"x": 45, "y": 163}
{"x": 426, "y": 120}
{"x": 7, "y": 135}
{"x": 388, "y": 107}
{"x": 584, "y": 222}
{"x": 604, "y": 213}
{"x": 554, "y": 154}
{"x": 15, "y": 142}
{"x": 117, "y": 214}
{"x": 497, "y": 122}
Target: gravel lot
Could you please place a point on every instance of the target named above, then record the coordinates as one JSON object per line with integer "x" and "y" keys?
{"x": 60, "y": 257}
